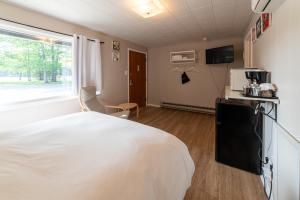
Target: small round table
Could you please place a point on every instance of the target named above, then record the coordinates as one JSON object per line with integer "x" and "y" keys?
{"x": 128, "y": 106}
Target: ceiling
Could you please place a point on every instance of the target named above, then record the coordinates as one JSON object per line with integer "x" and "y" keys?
{"x": 182, "y": 20}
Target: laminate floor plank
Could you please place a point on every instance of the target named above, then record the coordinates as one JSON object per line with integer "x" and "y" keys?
{"x": 212, "y": 180}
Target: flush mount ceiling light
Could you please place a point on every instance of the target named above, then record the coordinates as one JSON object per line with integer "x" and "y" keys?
{"x": 149, "y": 8}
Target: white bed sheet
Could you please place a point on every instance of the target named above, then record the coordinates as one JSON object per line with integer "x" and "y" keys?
{"x": 92, "y": 156}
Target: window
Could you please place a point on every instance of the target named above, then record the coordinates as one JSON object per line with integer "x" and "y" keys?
{"x": 33, "y": 65}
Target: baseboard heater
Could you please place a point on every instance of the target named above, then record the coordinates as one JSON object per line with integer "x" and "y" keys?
{"x": 187, "y": 107}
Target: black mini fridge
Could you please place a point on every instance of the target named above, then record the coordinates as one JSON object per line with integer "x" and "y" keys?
{"x": 239, "y": 135}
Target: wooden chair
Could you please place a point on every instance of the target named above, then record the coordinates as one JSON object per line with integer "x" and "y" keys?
{"x": 90, "y": 102}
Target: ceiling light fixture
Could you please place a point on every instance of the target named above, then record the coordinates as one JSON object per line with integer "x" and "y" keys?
{"x": 149, "y": 8}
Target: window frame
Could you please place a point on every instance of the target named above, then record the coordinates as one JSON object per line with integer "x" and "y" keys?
{"x": 23, "y": 31}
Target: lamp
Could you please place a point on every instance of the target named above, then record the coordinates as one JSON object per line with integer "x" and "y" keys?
{"x": 149, "y": 8}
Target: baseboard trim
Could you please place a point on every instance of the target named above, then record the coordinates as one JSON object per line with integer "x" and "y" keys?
{"x": 153, "y": 105}
{"x": 191, "y": 108}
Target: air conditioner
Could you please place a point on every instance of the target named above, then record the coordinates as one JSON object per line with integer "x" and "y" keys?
{"x": 260, "y": 6}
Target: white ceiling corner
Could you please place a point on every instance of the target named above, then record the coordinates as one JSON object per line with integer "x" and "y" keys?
{"x": 183, "y": 20}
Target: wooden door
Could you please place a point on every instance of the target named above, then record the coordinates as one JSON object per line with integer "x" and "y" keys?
{"x": 137, "y": 78}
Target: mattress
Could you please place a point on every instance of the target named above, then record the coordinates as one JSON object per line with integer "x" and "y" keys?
{"x": 92, "y": 156}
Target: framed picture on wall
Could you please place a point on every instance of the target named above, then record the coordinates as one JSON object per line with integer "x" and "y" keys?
{"x": 116, "y": 51}
{"x": 258, "y": 28}
{"x": 116, "y": 56}
{"x": 266, "y": 21}
{"x": 116, "y": 45}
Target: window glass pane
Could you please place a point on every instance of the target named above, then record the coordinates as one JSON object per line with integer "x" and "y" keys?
{"x": 33, "y": 67}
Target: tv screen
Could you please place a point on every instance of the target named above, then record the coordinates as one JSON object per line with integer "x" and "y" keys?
{"x": 220, "y": 55}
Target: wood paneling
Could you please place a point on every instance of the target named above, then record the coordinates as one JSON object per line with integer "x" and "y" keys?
{"x": 211, "y": 180}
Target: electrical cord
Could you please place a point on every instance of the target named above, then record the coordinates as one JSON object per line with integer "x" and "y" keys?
{"x": 259, "y": 152}
{"x": 257, "y": 110}
{"x": 271, "y": 109}
{"x": 270, "y": 142}
{"x": 260, "y": 158}
{"x": 271, "y": 182}
{"x": 268, "y": 195}
{"x": 270, "y": 117}
{"x": 264, "y": 178}
{"x": 267, "y": 114}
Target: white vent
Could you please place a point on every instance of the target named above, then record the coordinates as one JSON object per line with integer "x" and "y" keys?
{"x": 260, "y": 6}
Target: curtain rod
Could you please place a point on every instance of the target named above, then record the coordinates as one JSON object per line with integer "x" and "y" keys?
{"x": 31, "y": 37}
{"x": 44, "y": 29}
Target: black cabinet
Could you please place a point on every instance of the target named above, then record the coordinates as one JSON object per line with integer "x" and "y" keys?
{"x": 239, "y": 135}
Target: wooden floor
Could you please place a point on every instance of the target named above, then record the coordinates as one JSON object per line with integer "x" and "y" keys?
{"x": 211, "y": 180}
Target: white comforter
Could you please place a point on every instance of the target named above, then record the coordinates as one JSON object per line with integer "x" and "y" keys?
{"x": 92, "y": 156}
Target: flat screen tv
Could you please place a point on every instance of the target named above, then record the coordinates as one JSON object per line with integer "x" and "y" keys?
{"x": 220, "y": 55}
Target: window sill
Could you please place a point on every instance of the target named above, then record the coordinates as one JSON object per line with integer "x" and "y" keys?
{"x": 35, "y": 102}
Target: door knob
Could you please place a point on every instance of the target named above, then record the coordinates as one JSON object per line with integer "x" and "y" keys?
{"x": 130, "y": 82}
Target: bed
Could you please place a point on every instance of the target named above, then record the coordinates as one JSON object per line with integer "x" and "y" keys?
{"x": 92, "y": 156}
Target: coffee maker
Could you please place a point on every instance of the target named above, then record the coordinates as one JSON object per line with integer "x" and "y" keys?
{"x": 258, "y": 84}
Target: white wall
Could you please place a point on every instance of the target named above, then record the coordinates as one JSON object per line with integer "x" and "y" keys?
{"x": 204, "y": 87}
{"x": 277, "y": 50}
{"x": 288, "y": 169}
{"x": 31, "y": 112}
{"x": 115, "y": 83}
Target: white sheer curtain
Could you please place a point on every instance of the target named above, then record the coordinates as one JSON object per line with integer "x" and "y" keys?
{"x": 87, "y": 67}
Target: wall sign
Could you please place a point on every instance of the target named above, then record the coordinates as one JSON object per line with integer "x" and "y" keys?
{"x": 266, "y": 21}
{"x": 262, "y": 24}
